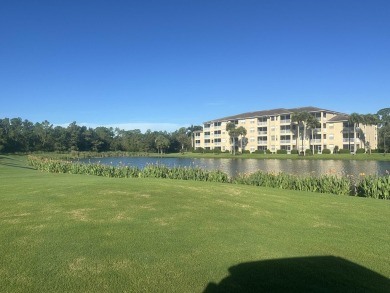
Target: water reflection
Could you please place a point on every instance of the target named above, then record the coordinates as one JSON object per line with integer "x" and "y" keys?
{"x": 234, "y": 166}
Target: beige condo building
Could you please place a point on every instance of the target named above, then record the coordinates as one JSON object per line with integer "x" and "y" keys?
{"x": 274, "y": 130}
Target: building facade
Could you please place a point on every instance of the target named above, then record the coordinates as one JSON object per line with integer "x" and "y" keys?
{"x": 274, "y": 130}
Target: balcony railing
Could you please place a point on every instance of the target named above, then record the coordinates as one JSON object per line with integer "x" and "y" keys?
{"x": 261, "y": 122}
{"x": 316, "y": 140}
{"x": 262, "y": 132}
{"x": 206, "y": 136}
{"x": 285, "y": 141}
{"x": 217, "y": 135}
{"x": 262, "y": 142}
{"x": 285, "y": 131}
{"x": 285, "y": 121}
{"x": 348, "y": 139}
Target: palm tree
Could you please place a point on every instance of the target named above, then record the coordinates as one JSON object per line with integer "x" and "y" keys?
{"x": 233, "y": 133}
{"x": 312, "y": 123}
{"x": 300, "y": 118}
{"x": 355, "y": 119}
{"x": 241, "y": 131}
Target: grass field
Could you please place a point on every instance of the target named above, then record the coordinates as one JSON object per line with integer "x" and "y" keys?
{"x": 78, "y": 233}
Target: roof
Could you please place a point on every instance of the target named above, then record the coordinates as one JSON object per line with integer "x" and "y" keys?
{"x": 273, "y": 112}
{"x": 338, "y": 118}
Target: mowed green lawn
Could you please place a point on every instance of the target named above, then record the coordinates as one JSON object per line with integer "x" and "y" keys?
{"x": 78, "y": 233}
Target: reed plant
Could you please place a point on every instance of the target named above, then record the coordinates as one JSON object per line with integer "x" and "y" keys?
{"x": 366, "y": 186}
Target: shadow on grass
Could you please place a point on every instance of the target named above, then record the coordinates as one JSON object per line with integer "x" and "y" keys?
{"x": 11, "y": 162}
{"x": 303, "y": 274}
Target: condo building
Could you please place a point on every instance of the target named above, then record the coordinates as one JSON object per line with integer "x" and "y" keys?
{"x": 274, "y": 130}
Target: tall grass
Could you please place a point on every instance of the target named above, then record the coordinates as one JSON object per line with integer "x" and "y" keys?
{"x": 366, "y": 186}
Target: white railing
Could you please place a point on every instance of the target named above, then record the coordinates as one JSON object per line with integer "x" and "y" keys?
{"x": 217, "y": 143}
{"x": 262, "y": 123}
{"x": 285, "y": 121}
{"x": 316, "y": 141}
{"x": 206, "y": 136}
{"x": 348, "y": 139}
{"x": 262, "y": 132}
{"x": 285, "y": 141}
{"x": 217, "y": 135}
{"x": 262, "y": 142}
{"x": 285, "y": 131}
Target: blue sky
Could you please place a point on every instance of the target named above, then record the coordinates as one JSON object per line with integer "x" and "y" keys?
{"x": 165, "y": 64}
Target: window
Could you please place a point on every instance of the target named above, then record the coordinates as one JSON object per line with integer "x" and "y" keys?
{"x": 331, "y": 125}
{"x": 331, "y": 136}
{"x": 252, "y": 139}
{"x": 272, "y": 118}
{"x": 242, "y": 121}
{"x": 252, "y": 121}
{"x": 252, "y": 130}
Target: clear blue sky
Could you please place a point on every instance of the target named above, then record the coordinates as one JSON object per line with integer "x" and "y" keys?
{"x": 164, "y": 64}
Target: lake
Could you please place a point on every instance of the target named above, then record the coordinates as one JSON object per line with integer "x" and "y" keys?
{"x": 234, "y": 166}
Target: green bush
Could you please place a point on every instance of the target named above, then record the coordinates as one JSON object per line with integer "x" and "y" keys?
{"x": 309, "y": 152}
{"x": 326, "y": 151}
{"x": 294, "y": 152}
{"x": 258, "y": 152}
{"x": 268, "y": 151}
{"x": 281, "y": 152}
{"x": 246, "y": 152}
{"x": 344, "y": 151}
{"x": 373, "y": 186}
{"x": 360, "y": 151}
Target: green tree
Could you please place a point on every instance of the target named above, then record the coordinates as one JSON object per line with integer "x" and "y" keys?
{"x": 301, "y": 118}
{"x": 162, "y": 143}
{"x": 233, "y": 134}
{"x": 312, "y": 123}
{"x": 384, "y": 123}
{"x": 241, "y": 131}
{"x": 355, "y": 119}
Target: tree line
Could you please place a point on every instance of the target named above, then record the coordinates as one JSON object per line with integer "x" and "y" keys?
{"x": 18, "y": 135}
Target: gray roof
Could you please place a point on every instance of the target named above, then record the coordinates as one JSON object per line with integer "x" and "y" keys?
{"x": 339, "y": 118}
{"x": 272, "y": 112}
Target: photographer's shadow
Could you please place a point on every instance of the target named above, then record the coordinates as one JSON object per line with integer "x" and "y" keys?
{"x": 303, "y": 274}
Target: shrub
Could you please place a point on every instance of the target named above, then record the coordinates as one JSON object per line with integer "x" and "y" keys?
{"x": 309, "y": 152}
{"x": 376, "y": 187}
{"x": 199, "y": 150}
{"x": 344, "y": 151}
{"x": 294, "y": 152}
{"x": 246, "y": 152}
{"x": 268, "y": 151}
{"x": 326, "y": 151}
{"x": 281, "y": 152}
{"x": 336, "y": 149}
{"x": 360, "y": 151}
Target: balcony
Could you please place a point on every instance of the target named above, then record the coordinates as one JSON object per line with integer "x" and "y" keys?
{"x": 262, "y": 132}
{"x": 284, "y": 141}
{"x": 217, "y": 143}
{"x": 351, "y": 140}
{"x": 288, "y": 131}
{"x": 217, "y": 135}
{"x": 262, "y": 142}
{"x": 285, "y": 121}
{"x": 315, "y": 141}
{"x": 263, "y": 123}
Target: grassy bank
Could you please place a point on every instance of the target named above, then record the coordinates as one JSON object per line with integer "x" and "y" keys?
{"x": 77, "y": 233}
{"x": 358, "y": 157}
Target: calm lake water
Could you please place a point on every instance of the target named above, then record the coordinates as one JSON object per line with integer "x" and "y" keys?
{"x": 234, "y": 166}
